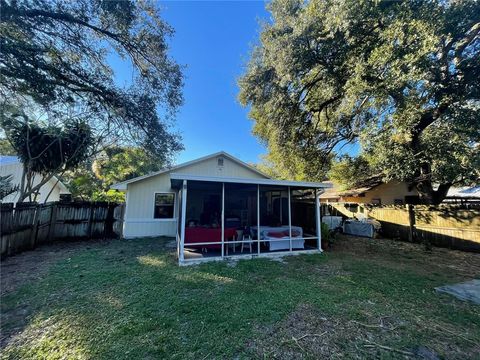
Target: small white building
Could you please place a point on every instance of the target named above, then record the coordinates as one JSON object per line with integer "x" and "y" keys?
{"x": 50, "y": 191}
{"x": 218, "y": 206}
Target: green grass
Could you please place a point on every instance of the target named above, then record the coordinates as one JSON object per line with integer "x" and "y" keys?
{"x": 130, "y": 299}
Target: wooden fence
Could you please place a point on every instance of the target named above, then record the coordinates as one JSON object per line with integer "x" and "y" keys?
{"x": 27, "y": 225}
{"x": 452, "y": 226}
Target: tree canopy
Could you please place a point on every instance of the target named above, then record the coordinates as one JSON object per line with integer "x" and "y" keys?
{"x": 349, "y": 172}
{"x": 117, "y": 164}
{"x": 6, "y": 148}
{"x": 58, "y": 55}
{"x": 45, "y": 148}
{"x": 92, "y": 181}
{"x": 6, "y": 186}
{"x": 402, "y": 78}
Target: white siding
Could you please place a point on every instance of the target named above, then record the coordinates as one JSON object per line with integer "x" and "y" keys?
{"x": 16, "y": 170}
{"x": 134, "y": 229}
{"x": 139, "y": 210}
{"x": 141, "y": 198}
{"x": 210, "y": 167}
{"x": 140, "y": 205}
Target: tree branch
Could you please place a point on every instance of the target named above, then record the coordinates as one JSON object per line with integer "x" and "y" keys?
{"x": 471, "y": 35}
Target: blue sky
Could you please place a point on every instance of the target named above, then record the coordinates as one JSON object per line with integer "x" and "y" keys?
{"x": 213, "y": 39}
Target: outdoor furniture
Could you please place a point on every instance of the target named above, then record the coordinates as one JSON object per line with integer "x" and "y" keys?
{"x": 280, "y": 237}
{"x": 358, "y": 228}
{"x": 238, "y": 237}
{"x": 199, "y": 234}
{"x": 333, "y": 222}
{"x": 247, "y": 242}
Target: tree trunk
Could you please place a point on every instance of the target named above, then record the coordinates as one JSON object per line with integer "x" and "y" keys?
{"x": 423, "y": 182}
{"x": 429, "y": 196}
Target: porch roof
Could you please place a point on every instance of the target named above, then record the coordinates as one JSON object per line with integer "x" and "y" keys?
{"x": 176, "y": 181}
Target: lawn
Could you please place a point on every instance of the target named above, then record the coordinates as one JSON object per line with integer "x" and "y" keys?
{"x": 129, "y": 299}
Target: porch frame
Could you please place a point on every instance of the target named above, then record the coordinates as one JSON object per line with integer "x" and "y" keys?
{"x": 288, "y": 184}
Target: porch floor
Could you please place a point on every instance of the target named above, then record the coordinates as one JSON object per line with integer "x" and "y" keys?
{"x": 194, "y": 254}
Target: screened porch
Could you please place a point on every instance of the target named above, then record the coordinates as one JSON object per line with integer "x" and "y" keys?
{"x": 229, "y": 218}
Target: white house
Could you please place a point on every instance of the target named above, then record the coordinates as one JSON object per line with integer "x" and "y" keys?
{"x": 218, "y": 206}
{"x": 50, "y": 191}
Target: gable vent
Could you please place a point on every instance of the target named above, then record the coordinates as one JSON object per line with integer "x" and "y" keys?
{"x": 220, "y": 161}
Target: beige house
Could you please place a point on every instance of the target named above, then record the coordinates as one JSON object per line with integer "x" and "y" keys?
{"x": 393, "y": 193}
{"x": 376, "y": 192}
{"x": 218, "y": 206}
{"x": 52, "y": 190}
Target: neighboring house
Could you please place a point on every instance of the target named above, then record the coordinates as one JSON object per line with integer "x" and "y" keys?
{"x": 374, "y": 191}
{"x": 53, "y": 189}
{"x": 465, "y": 194}
{"x": 219, "y": 206}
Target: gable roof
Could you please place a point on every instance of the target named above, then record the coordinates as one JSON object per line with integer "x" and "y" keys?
{"x": 361, "y": 188}
{"x": 123, "y": 185}
{"x": 472, "y": 192}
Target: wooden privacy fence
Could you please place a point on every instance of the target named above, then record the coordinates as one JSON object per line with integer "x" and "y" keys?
{"x": 28, "y": 225}
{"x": 452, "y": 226}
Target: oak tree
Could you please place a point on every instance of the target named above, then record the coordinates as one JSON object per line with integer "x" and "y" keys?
{"x": 59, "y": 54}
{"x": 401, "y": 78}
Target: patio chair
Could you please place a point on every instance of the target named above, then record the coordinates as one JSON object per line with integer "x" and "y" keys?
{"x": 235, "y": 238}
{"x": 247, "y": 242}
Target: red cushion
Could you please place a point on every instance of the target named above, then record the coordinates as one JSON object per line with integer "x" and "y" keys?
{"x": 200, "y": 235}
{"x": 277, "y": 234}
{"x": 282, "y": 234}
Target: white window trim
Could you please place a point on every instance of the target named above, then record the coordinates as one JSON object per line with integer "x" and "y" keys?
{"x": 174, "y": 206}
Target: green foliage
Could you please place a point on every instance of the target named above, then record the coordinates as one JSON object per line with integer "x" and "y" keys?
{"x": 56, "y": 55}
{"x": 327, "y": 236}
{"x": 453, "y": 158}
{"x": 46, "y": 148}
{"x": 82, "y": 183}
{"x": 286, "y": 164}
{"x": 85, "y": 186}
{"x": 402, "y": 78}
{"x": 348, "y": 172}
{"x": 115, "y": 164}
{"x": 6, "y": 186}
{"x": 6, "y": 148}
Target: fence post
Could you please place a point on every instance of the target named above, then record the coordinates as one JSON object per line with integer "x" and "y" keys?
{"x": 90, "y": 221}
{"x": 53, "y": 220}
{"x": 33, "y": 235}
{"x": 110, "y": 220}
{"x": 6, "y": 227}
{"x": 411, "y": 223}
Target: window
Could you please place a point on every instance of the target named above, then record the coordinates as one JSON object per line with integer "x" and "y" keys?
{"x": 164, "y": 205}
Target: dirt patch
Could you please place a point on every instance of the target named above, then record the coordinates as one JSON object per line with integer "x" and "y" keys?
{"x": 307, "y": 334}
{"x": 34, "y": 265}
